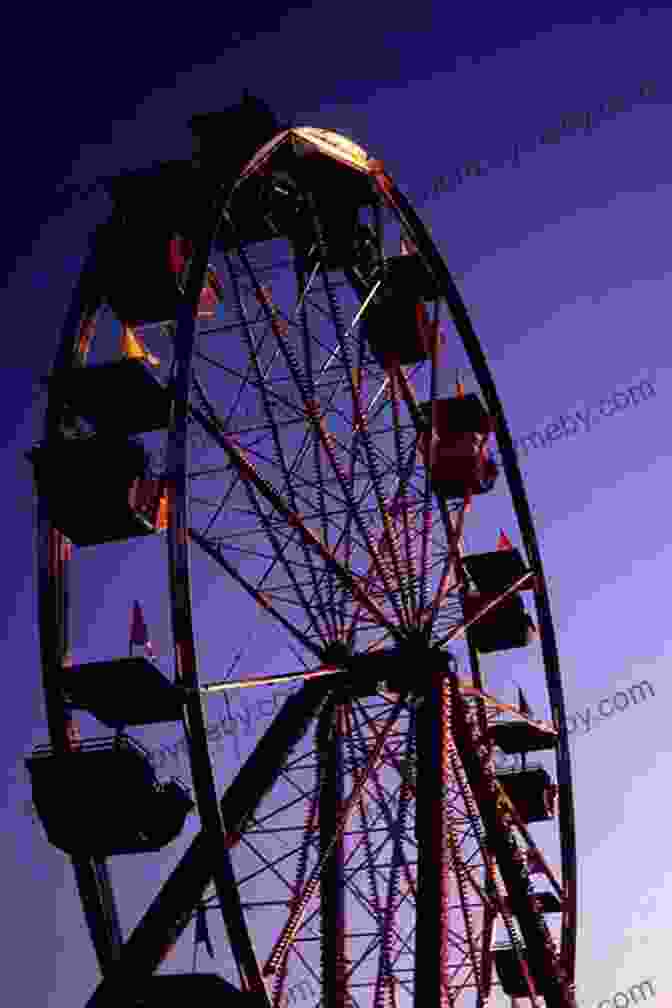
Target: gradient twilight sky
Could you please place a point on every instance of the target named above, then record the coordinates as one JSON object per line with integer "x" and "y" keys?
{"x": 564, "y": 262}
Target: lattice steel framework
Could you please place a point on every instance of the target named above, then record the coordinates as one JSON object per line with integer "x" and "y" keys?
{"x": 366, "y": 842}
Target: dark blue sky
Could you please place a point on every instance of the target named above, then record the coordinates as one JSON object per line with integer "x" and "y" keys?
{"x": 564, "y": 263}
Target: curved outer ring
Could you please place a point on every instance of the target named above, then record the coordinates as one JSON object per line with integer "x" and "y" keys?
{"x": 92, "y": 877}
{"x": 429, "y": 253}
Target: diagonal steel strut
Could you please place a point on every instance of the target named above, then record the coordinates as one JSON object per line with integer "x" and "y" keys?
{"x": 170, "y": 912}
{"x": 248, "y": 472}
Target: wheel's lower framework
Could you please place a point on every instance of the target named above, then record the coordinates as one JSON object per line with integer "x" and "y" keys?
{"x": 367, "y": 845}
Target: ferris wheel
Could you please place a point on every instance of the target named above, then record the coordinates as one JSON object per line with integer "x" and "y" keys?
{"x": 259, "y": 364}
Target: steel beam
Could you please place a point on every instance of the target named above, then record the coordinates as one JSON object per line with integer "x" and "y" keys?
{"x": 172, "y": 909}
{"x": 332, "y": 884}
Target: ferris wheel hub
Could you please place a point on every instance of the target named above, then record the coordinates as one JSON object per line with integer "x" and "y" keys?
{"x": 402, "y": 670}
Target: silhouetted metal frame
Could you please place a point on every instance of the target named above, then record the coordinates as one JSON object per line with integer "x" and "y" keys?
{"x": 432, "y": 932}
{"x": 171, "y": 910}
{"x": 53, "y": 602}
{"x": 332, "y": 880}
{"x": 187, "y": 872}
{"x": 186, "y": 671}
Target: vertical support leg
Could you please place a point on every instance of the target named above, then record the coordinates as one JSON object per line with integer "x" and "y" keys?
{"x": 432, "y": 923}
{"x": 332, "y": 888}
{"x": 181, "y": 611}
{"x": 489, "y": 918}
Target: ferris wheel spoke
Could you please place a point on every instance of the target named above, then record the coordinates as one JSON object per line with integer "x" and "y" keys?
{"x": 371, "y": 573}
{"x": 259, "y": 597}
{"x": 401, "y": 497}
{"x": 349, "y": 546}
{"x": 452, "y": 538}
{"x": 326, "y": 442}
{"x": 250, "y": 475}
{"x": 279, "y": 451}
{"x": 427, "y": 512}
{"x": 317, "y": 462}
{"x": 361, "y": 424}
{"x": 451, "y": 578}
{"x": 325, "y": 632}
{"x": 322, "y": 484}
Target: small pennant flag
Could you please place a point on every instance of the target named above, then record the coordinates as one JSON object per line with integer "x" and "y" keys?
{"x": 213, "y": 281}
{"x": 86, "y": 333}
{"x": 180, "y": 250}
{"x": 161, "y": 523}
{"x": 202, "y": 934}
{"x": 207, "y": 304}
{"x": 73, "y": 735}
{"x": 211, "y": 295}
{"x": 133, "y": 348}
{"x": 523, "y": 706}
{"x": 504, "y": 543}
{"x": 139, "y": 633}
{"x": 168, "y": 950}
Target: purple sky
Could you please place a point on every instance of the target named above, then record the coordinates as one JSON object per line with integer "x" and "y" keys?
{"x": 563, "y": 263}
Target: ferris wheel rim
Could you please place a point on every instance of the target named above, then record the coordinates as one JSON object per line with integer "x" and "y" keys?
{"x": 417, "y": 233}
